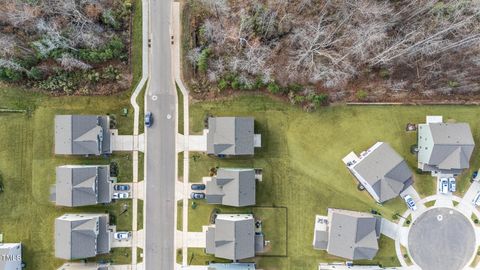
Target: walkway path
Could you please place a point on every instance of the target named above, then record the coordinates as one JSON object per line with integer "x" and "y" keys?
{"x": 176, "y": 62}
{"x": 136, "y": 122}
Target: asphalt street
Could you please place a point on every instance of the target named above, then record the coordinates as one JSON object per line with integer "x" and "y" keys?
{"x": 441, "y": 239}
{"x": 160, "y": 157}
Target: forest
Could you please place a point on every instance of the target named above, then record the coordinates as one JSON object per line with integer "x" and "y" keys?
{"x": 319, "y": 51}
{"x": 66, "y": 46}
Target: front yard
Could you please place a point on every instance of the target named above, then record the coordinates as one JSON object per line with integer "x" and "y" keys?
{"x": 303, "y": 172}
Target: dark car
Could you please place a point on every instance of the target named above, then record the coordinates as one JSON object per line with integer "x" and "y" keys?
{"x": 121, "y": 187}
{"x": 148, "y": 119}
{"x": 197, "y": 196}
{"x": 198, "y": 187}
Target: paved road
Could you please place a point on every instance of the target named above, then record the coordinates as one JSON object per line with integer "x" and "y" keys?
{"x": 442, "y": 239}
{"x": 160, "y": 155}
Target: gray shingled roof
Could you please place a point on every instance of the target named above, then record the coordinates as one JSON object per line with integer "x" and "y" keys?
{"x": 353, "y": 235}
{"x": 83, "y": 185}
{"x": 232, "y": 237}
{"x": 232, "y": 187}
{"x": 14, "y": 252}
{"x": 320, "y": 233}
{"x": 82, "y": 135}
{"x": 445, "y": 147}
{"x": 231, "y": 266}
{"x": 79, "y": 236}
{"x": 83, "y": 266}
{"x": 385, "y": 171}
{"x": 230, "y": 136}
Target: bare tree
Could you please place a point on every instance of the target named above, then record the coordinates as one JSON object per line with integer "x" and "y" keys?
{"x": 70, "y": 63}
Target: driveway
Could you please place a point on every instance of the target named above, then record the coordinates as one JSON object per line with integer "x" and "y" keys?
{"x": 198, "y": 143}
{"x": 442, "y": 239}
{"x": 466, "y": 204}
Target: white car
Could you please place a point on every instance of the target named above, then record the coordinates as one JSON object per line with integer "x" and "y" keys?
{"x": 122, "y": 235}
{"x": 443, "y": 185}
{"x": 410, "y": 202}
{"x": 452, "y": 184}
{"x": 120, "y": 195}
{"x": 476, "y": 199}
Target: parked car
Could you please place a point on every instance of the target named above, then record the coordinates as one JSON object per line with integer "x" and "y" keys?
{"x": 197, "y": 195}
{"x": 443, "y": 185}
{"x": 198, "y": 187}
{"x": 120, "y": 195}
{"x": 148, "y": 119}
{"x": 476, "y": 199}
{"x": 474, "y": 176}
{"x": 452, "y": 184}
{"x": 410, "y": 202}
{"x": 122, "y": 235}
{"x": 121, "y": 187}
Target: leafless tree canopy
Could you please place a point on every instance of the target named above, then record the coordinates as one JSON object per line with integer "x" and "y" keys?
{"x": 43, "y": 38}
{"x": 332, "y": 43}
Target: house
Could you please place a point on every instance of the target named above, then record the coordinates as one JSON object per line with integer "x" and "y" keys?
{"x": 381, "y": 170}
{"x": 81, "y": 236}
{"x": 348, "y": 234}
{"x": 84, "y": 266}
{"x": 444, "y": 147}
{"x": 348, "y": 266}
{"x": 11, "y": 256}
{"x": 232, "y": 136}
{"x": 82, "y": 135}
{"x": 79, "y": 185}
{"x": 231, "y": 266}
{"x": 232, "y": 187}
{"x": 231, "y": 237}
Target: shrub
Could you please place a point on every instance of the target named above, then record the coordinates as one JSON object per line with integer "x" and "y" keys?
{"x": 236, "y": 84}
{"x": 114, "y": 49}
{"x": 10, "y": 75}
{"x": 202, "y": 62}
{"x": 259, "y": 83}
{"x": 222, "y": 84}
{"x": 109, "y": 18}
{"x": 361, "y": 94}
{"x": 273, "y": 88}
{"x": 295, "y": 87}
{"x": 110, "y": 73}
{"x": 35, "y": 74}
{"x": 384, "y": 73}
{"x": 453, "y": 84}
{"x": 299, "y": 99}
{"x": 93, "y": 76}
{"x": 320, "y": 99}
{"x": 62, "y": 81}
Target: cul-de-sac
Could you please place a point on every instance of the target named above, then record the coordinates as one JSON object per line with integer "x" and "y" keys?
{"x": 239, "y": 135}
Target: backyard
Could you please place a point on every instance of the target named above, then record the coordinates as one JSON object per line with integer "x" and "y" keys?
{"x": 303, "y": 172}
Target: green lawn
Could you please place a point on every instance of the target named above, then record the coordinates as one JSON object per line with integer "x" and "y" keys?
{"x": 303, "y": 172}
{"x": 27, "y": 164}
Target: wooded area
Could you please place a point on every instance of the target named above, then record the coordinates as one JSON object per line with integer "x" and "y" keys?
{"x": 66, "y": 46}
{"x": 347, "y": 49}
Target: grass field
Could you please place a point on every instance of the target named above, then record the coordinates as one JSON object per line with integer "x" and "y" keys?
{"x": 301, "y": 156}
